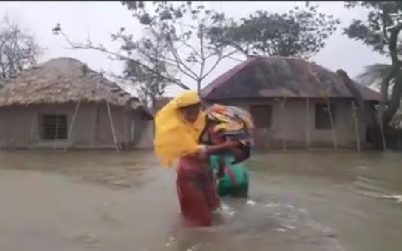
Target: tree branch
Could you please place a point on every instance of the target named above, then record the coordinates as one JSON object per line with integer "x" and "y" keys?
{"x": 384, "y": 25}
{"x": 179, "y": 63}
{"x": 154, "y": 58}
{"x": 220, "y": 58}
{"x": 121, "y": 57}
{"x": 236, "y": 46}
{"x": 235, "y": 59}
{"x": 187, "y": 44}
{"x": 202, "y": 53}
{"x": 192, "y": 48}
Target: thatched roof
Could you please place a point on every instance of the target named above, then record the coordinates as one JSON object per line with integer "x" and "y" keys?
{"x": 64, "y": 80}
{"x": 270, "y": 77}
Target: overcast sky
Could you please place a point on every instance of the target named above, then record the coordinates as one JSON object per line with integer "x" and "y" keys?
{"x": 98, "y": 19}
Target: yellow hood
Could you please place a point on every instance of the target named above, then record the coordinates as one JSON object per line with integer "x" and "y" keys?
{"x": 174, "y": 136}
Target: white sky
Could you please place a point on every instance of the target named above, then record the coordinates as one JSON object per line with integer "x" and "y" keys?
{"x": 99, "y": 19}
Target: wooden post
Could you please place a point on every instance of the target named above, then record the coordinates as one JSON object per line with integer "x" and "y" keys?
{"x": 332, "y": 125}
{"x": 126, "y": 137}
{"x": 56, "y": 133}
{"x": 132, "y": 131}
{"x": 356, "y": 122}
{"x": 125, "y": 127}
{"x": 284, "y": 143}
{"x": 93, "y": 138}
{"x": 284, "y": 146}
{"x": 380, "y": 121}
{"x": 32, "y": 128}
{"x": 112, "y": 126}
{"x": 308, "y": 143}
{"x": 70, "y": 130}
{"x": 96, "y": 136}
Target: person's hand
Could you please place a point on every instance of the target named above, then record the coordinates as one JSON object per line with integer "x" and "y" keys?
{"x": 229, "y": 144}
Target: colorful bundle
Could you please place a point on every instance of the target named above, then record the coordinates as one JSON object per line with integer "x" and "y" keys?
{"x": 233, "y": 123}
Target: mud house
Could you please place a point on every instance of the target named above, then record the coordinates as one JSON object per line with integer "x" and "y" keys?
{"x": 64, "y": 104}
{"x": 294, "y": 103}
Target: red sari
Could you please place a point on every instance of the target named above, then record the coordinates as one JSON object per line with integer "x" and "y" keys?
{"x": 196, "y": 191}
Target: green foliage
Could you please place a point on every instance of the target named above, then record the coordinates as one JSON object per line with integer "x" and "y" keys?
{"x": 184, "y": 27}
{"x": 374, "y": 31}
{"x": 373, "y": 74}
{"x": 144, "y": 65}
{"x": 381, "y": 31}
{"x": 135, "y": 5}
{"x": 149, "y": 84}
{"x": 299, "y": 32}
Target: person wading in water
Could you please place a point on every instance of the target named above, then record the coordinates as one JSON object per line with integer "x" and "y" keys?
{"x": 229, "y": 122}
{"x": 179, "y": 126}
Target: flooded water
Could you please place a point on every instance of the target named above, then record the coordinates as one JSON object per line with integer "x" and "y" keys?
{"x": 124, "y": 201}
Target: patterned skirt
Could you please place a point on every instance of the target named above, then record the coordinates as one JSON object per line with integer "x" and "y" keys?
{"x": 196, "y": 191}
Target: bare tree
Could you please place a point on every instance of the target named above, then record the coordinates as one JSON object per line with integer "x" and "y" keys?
{"x": 143, "y": 62}
{"x": 18, "y": 49}
{"x": 131, "y": 52}
{"x": 186, "y": 29}
{"x": 180, "y": 32}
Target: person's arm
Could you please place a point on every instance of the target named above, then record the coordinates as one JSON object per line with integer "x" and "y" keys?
{"x": 207, "y": 151}
{"x": 222, "y": 148}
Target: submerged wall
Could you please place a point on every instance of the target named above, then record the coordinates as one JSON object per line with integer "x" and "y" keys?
{"x": 293, "y": 125}
{"x": 20, "y": 126}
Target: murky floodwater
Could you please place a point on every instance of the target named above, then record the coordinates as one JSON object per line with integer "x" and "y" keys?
{"x": 125, "y": 201}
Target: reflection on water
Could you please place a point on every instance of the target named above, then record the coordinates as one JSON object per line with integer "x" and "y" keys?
{"x": 125, "y": 201}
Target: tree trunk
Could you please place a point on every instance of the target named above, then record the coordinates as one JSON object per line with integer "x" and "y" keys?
{"x": 394, "y": 102}
{"x": 153, "y": 103}
{"x": 369, "y": 116}
{"x": 384, "y": 94}
{"x": 354, "y": 91}
{"x": 199, "y": 86}
{"x": 386, "y": 113}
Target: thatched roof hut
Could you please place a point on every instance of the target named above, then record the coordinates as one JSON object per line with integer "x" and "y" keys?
{"x": 270, "y": 77}
{"x": 64, "y": 80}
{"x": 64, "y": 101}
{"x": 295, "y": 103}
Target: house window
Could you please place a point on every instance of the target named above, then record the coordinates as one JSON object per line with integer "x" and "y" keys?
{"x": 54, "y": 127}
{"x": 322, "y": 116}
{"x": 262, "y": 115}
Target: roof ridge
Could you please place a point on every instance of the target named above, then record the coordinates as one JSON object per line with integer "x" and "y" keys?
{"x": 61, "y": 80}
{"x": 300, "y": 77}
{"x": 211, "y": 86}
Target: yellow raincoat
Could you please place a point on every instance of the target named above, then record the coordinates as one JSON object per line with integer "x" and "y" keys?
{"x": 174, "y": 136}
